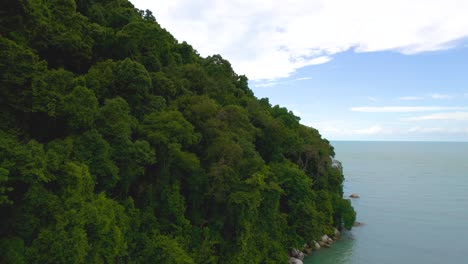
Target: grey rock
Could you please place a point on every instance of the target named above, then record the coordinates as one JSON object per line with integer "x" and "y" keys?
{"x": 356, "y": 224}
{"x": 295, "y": 261}
{"x": 336, "y": 164}
{"x": 316, "y": 246}
{"x": 324, "y": 238}
{"x": 295, "y": 253}
{"x": 337, "y": 233}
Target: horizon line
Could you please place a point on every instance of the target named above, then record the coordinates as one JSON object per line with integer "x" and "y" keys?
{"x": 422, "y": 141}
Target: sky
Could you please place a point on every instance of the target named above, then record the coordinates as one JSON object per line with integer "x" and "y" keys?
{"x": 355, "y": 70}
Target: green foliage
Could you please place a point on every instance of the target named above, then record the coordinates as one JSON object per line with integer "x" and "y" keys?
{"x": 91, "y": 149}
{"x": 25, "y": 162}
{"x": 80, "y": 108}
{"x": 163, "y": 249}
{"x": 18, "y": 67}
{"x": 162, "y": 85}
{"x": 106, "y": 225}
{"x": 4, "y": 189}
{"x": 65, "y": 243}
{"x": 166, "y": 128}
{"x": 100, "y": 78}
{"x": 131, "y": 81}
{"x": 344, "y": 212}
{"x": 118, "y": 144}
{"x": 49, "y": 89}
{"x": 12, "y": 250}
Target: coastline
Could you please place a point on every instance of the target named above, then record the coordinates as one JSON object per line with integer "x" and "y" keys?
{"x": 297, "y": 256}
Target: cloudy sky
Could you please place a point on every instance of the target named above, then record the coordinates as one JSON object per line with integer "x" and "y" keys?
{"x": 356, "y": 70}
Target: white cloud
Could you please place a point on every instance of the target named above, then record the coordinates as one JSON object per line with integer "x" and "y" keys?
{"x": 297, "y": 112}
{"x": 458, "y": 116}
{"x": 303, "y": 78}
{"x": 342, "y": 128}
{"x": 266, "y": 84}
{"x": 271, "y": 39}
{"x": 332, "y": 128}
{"x": 440, "y": 130}
{"x": 404, "y": 109}
{"x": 370, "y": 131}
{"x": 440, "y": 96}
{"x": 410, "y": 98}
{"x": 373, "y": 99}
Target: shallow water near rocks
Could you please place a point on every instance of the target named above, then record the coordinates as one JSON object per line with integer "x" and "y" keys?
{"x": 414, "y": 203}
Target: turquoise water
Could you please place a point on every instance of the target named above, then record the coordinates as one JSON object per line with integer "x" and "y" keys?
{"x": 414, "y": 203}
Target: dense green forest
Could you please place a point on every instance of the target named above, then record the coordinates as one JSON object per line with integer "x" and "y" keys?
{"x": 119, "y": 144}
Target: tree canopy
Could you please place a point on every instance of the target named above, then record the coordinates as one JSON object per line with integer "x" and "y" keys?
{"x": 119, "y": 144}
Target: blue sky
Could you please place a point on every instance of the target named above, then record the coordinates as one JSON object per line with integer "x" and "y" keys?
{"x": 356, "y": 70}
{"x": 380, "y": 95}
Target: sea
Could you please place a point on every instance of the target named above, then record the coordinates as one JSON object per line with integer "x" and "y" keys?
{"x": 413, "y": 204}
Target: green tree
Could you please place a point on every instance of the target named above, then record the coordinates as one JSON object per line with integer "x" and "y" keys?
{"x": 163, "y": 249}
{"x": 80, "y": 108}
{"x": 3, "y": 188}
{"x": 91, "y": 149}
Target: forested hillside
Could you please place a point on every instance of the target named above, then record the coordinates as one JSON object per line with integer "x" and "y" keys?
{"x": 118, "y": 144}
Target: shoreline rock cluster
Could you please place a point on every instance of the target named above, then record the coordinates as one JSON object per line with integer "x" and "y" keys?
{"x": 296, "y": 256}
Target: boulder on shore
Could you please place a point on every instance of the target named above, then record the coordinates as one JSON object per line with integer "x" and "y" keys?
{"x": 354, "y": 195}
{"x": 296, "y": 253}
{"x": 325, "y": 238}
{"x": 316, "y": 246}
{"x": 337, "y": 233}
{"x": 356, "y": 224}
{"x": 295, "y": 261}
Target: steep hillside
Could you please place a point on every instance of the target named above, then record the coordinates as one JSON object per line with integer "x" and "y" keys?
{"x": 118, "y": 144}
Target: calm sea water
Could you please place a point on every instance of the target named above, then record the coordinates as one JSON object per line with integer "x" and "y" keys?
{"x": 414, "y": 203}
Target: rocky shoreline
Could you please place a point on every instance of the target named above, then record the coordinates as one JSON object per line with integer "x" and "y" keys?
{"x": 296, "y": 256}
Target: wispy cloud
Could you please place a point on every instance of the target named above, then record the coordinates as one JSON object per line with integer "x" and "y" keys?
{"x": 266, "y": 84}
{"x": 270, "y": 83}
{"x": 410, "y": 98}
{"x": 370, "y": 130}
{"x": 404, "y": 109}
{"x": 314, "y": 61}
{"x": 311, "y": 32}
{"x": 303, "y": 78}
{"x": 297, "y": 112}
{"x": 442, "y": 130}
{"x": 441, "y": 96}
{"x": 425, "y": 129}
{"x": 342, "y": 128}
{"x": 373, "y": 99}
{"x": 458, "y": 116}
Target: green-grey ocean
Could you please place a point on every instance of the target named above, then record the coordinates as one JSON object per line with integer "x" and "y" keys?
{"x": 414, "y": 203}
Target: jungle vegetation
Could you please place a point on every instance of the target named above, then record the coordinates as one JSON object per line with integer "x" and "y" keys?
{"x": 120, "y": 144}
